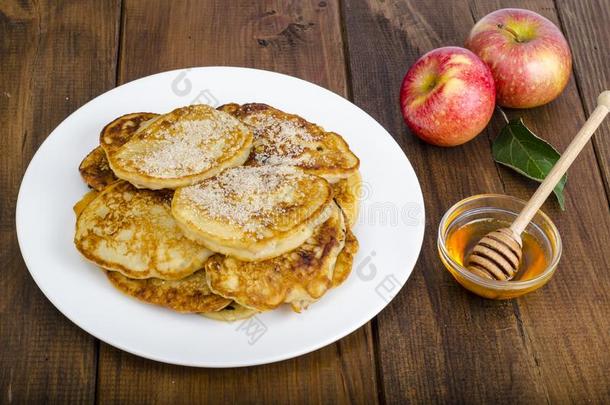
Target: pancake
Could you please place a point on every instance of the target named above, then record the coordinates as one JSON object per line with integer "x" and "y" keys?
{"x": 120, "y": 130}
{"x": 253, "y": 213}
{"x": 347, "y": 194}
{"x": 298, "y": 277}
{"x": 231, "y": 313}
{"x": 190, "y": 294}
{"x": 180, "y": 148}
{"x": 94, "y": 168}
{"x": 84, "y": 201}
{"x": 287, "y": 139}
{"x": 281, "y": 224}
{"x": 132, "y": 231}
{"x": 345, "y": 260}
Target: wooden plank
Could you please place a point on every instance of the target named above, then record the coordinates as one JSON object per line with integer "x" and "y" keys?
{"x": 436, "y": 342}
{"x": 54, "y": 59}
{"x": 585, "y": 24}
{"x": 567, "y": 322}
{"x": 298, "y": 38}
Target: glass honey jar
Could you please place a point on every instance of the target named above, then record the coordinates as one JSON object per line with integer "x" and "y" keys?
{"x": 464, "y": 224}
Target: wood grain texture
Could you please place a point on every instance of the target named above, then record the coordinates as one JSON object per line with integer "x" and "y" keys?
{"x": 298, "y": 38}
{"x": 435, "y": 342}
{"x": 54, "y": 58}
{"x": 585, "y": 25}
{"x": 438, "y": 343}
{"x": 567, "y": 322}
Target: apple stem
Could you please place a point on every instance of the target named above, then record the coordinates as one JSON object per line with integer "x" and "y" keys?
{"x": 511, "y": 31}
{"x": 503, "y": 114}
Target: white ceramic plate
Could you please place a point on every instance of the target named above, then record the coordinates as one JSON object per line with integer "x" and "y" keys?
{"x": 390, "y": 229}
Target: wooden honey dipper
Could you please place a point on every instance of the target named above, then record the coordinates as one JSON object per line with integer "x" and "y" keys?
{"x": 498, "y": 254}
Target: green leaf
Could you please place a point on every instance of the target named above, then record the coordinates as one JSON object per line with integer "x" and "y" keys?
{"x": 520, "y": 149}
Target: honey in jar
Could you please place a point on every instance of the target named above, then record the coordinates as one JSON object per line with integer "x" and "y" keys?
{"x": 461, "y": 240}
{"x": 467, "y": 221}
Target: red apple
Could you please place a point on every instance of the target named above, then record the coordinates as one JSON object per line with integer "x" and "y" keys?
{"x": 529, "y": 57}
{"x": 448, "y": 96}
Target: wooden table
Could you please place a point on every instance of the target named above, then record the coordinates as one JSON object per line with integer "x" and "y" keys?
{"x": 435, "y": 342}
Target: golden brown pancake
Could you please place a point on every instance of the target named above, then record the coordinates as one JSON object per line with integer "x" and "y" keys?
{"x": 83, "y": 202}
{"x": 190, "y": 294}
{"x": 94, "y": 168}
{"x": 120, "y": 130}
{"x": 253, "y": 213}
{"x": 281, "y": 138}
{"x": 146, "y": 249}
{"x": 345, "y": 260}
{"x": 347, "y": 194}
{"x": 180, "y": 148}
{"x": 298, "y": 277}
{"x": 132, "y": 231}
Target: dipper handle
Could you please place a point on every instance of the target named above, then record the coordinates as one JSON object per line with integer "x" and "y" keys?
{"x": 564, "y": 162}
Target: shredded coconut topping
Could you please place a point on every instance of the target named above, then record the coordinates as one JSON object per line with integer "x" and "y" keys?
{"x": 248, "y": 197}
{"x": 281, "y": 142}
{"x": 184, "y": 147}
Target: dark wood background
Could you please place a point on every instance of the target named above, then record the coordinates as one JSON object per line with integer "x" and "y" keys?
{"x": 435, "y": 342}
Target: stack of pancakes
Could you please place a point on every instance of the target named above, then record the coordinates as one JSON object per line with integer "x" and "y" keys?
{"x": 225, "y": 212}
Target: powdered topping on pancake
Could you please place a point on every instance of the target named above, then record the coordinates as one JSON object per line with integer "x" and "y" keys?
{"x": 279, "y": 142}
{"x": 282, "y": 138}
{"x": 189, "y": 141}
{"x": 248, "y": 197}
{"x": 173, "y": 154}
